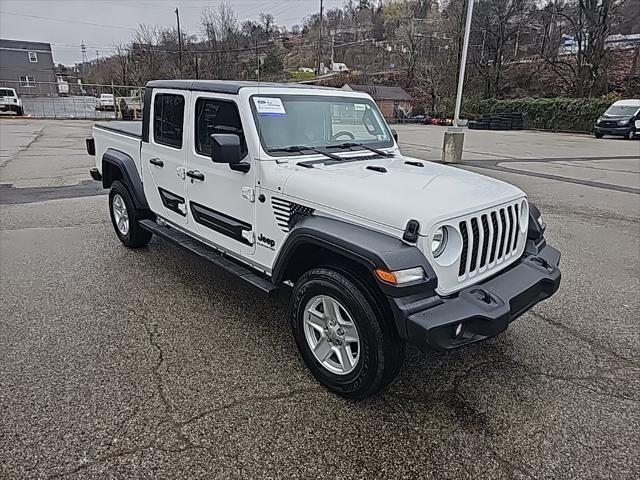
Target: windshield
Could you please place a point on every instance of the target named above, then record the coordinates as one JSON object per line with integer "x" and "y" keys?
{"x": 318, "y": 121}
{"x": 622, "y": 110}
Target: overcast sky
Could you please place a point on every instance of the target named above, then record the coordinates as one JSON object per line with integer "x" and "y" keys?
{"x": 101, "y": 24}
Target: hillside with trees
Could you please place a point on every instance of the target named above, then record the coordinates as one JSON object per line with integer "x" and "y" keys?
{"x": 518, "y": 48}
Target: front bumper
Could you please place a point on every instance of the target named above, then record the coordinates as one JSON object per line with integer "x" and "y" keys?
{"x": 486, "y": 309}
{"x": 619, "y": 131}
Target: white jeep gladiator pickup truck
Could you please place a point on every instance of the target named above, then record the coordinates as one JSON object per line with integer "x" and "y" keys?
{"x": 306, "y": 187}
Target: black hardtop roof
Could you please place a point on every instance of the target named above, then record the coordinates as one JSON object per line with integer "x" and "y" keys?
{"x": 225, "y": 86}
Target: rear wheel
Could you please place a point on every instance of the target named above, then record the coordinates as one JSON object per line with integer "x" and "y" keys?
{"x": 19, "y": 111}
{"x": 124, "y": 217}
{"x": 342, "y": 335}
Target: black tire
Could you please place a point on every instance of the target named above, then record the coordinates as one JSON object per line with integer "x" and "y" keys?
{"x": 19, "y": 112}
{"x": 598, "y": 135}
{"x": 381, "y": 351}
{"x": 135, "y": 236}
{"x": 631, "y": 134}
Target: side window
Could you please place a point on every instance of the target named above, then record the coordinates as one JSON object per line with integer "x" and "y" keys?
{"x": 216, "y": 116}
{"x": 168, "y": 117}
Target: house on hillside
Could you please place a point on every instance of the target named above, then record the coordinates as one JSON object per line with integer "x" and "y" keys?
{"x": 393, "y": 102}
{"x": 28, "y": 67}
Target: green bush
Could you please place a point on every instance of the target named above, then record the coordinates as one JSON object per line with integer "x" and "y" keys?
{"x": 297, "y": 76}
{"x": 559, "y": 114}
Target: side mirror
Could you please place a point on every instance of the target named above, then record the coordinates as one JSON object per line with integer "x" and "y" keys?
{"x": 394, "y": 134}
{"x": 226, "y": 148}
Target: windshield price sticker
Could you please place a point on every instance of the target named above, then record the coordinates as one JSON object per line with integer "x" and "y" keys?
{"x": 359, "y": 106}
{"x": 270, "y": 107}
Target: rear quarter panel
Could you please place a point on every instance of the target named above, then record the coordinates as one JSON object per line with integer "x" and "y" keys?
{"x": 105, "y": 139}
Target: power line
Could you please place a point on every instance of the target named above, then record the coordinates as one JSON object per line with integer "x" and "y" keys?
{"x": 69, "y": 21}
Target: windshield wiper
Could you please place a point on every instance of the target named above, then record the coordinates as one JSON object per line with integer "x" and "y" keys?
{"x": 356, "y": 144}
{"x": 300, "y": 148}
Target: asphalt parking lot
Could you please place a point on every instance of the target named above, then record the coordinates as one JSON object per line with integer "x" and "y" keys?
{"x": 148, "y": 364}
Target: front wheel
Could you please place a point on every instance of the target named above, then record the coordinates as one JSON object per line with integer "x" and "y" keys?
{"x": 598, "y": 135}
{"x": 125, "y": 217}
{"x": 342, "y": 334}
{"x": 631, "y": 134}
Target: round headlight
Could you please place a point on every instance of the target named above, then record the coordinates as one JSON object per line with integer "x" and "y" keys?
{"x": 439, "y": 241}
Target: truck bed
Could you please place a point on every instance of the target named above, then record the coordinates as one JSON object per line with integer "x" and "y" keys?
{"x": 129, "y": 128}
{"x": 122, "y": 136}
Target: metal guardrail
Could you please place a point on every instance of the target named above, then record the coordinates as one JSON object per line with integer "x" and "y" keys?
{"x": 76, "y": 101}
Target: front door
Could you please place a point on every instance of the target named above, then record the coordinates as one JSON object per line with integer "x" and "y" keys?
{"x": 164, "y": 156}
{"x": 221, "y": 200}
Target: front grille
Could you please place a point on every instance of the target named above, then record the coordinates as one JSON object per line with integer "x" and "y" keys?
{"x": 488, "y": 239}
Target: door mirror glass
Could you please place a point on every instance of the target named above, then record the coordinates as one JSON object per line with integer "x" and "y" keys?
{"x": 394, "y": 134}
{"x": 226, "y": 148}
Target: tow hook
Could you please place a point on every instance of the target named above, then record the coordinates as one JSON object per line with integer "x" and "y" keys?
{"x": 540, "y": 261}
{"x": 482, "y": 295}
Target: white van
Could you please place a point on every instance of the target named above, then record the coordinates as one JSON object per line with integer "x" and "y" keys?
{"x": 621, "y": 119}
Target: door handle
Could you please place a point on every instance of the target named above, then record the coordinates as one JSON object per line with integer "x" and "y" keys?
{"x": 157, "y": 162}
{"x": 195, "y": 174}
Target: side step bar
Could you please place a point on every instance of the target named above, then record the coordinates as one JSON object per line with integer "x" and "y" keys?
{"x": 210, "y": 255}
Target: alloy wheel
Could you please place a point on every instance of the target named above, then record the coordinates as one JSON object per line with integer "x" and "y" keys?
{"x": 120, "y": 214}
{"x": 331, "y": 334}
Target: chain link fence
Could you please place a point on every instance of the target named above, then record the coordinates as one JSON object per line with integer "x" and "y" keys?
{"x": 78, "y": 101}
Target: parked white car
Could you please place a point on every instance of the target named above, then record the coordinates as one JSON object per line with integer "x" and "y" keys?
{"x": 10, "y": 102}
{"x": 289, "y": 186}
{"x": 63, "y": 89}
{"x": 105, "y": 102}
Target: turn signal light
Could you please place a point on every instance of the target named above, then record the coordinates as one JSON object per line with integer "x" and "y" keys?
{"x": 400, "y": 277}
{"x": 386, "y": 276}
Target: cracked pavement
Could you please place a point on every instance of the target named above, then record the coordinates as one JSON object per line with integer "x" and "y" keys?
{"x": 150, "y": 364}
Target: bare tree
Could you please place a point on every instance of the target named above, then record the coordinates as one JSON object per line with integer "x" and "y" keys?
{"x": 582, "y": 63}
{"x": 497, "y": 24}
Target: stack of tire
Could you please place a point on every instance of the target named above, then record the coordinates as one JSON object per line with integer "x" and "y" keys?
{"x": 498, "y": 121}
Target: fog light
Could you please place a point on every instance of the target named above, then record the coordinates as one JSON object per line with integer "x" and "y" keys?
{"x": 458, "y": 330}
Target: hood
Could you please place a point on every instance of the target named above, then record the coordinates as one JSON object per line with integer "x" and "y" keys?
{"x": 429, "y": 194}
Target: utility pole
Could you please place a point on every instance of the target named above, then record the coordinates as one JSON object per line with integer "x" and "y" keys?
{"x": 320, "y": 39}
{"x": 333, "y": 47}
{"x": 179, "y": 42}
{"x": 454, "y": 137}
{"x": 83, "y": 47}
{"x": 463, "y": 62}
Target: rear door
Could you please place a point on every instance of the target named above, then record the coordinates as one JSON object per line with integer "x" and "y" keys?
{"x": 221, "y": 200}
{"x": 164, "y": 156}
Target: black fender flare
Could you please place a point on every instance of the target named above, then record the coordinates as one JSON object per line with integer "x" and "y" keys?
{"x": 367, "y": 247}
{"x": 127, "y": 167}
